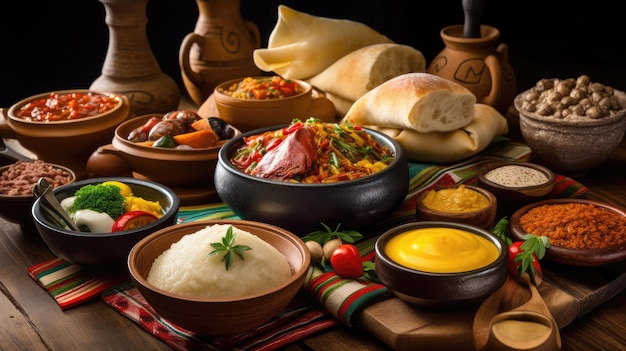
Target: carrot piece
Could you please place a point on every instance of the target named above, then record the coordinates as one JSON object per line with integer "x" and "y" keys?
{"x": 201, "y": 124}
{"x": 145, "y": 143}
{"x": 197, "y": 139}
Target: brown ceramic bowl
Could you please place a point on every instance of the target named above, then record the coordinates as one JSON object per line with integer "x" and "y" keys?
{"x": 65, "y": 142}
{"x": 510, "y": 181}
{"x": 575, "y": 256}
{"x": 442, "y": 290}
{"x": 16, "y": 208}
{"x": 185, "y": 168}
{"x": 483, "y": 217}
{"x": 103, "y": 250}
{"x": 572, "y": 147}
{"x": 223, "y": 316}
{"x": 250, "y": 114}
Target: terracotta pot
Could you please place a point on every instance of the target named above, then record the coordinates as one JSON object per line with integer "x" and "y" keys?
{"x": 479, "y": 64}
{"x": 130, "y": 67}
{"x": 220, "y": 48}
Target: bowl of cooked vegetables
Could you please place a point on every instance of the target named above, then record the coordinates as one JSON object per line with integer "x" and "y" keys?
{"x": 441, "y": 265}
{"x": 110, "y": 215}
{"x": 177, "y": 149}
{"x": 66, "y": 126}
{"x": 300, "y": 175}
{"x": 219, "y": 277}
{"x": 255, "y": 102}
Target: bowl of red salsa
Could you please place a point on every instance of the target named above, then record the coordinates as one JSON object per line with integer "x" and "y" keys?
{"x": 66, "y": 126}
{"x": 255, "y": 102}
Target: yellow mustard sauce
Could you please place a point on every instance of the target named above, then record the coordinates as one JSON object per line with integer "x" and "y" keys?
{"x": 441, "y": 250}
{"x": 459, "y": 199}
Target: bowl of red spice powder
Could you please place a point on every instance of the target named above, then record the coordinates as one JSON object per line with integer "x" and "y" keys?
{"x": 582, "y": 232}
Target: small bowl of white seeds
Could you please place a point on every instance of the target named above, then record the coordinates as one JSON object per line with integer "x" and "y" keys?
{"x": 516, "y": 182}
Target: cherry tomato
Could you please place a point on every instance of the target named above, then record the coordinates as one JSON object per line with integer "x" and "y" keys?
{"x": 133, "y": 219}
{"x": 346, "y": 261}
{"x": 515, "y": 263}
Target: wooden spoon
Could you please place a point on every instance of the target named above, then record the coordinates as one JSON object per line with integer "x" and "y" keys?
{"x": 530, "y": 326}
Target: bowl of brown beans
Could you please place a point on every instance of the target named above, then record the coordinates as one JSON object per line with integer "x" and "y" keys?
{"x": 582, "y": 232}
{"x": 571, "y": 125}
{"x": 257, "y": 102}
{"x": 16, "y": 187}
{"x": 65, "y": 126}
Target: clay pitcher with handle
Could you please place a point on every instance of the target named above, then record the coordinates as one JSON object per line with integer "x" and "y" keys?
{"x": 480, "y": 64}
{"x": 219, "y": 49}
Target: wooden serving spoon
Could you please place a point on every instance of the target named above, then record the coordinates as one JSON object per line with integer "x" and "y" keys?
{"x": 530, "y": 326}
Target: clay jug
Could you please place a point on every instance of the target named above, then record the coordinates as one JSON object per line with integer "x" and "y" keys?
{"x": 130, "y": 67}
{"x": 479, "y": 64}
{"x": 219, "y": 49}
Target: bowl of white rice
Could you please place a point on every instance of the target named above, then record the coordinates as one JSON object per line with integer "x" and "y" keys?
{"x": 185, "y": 274}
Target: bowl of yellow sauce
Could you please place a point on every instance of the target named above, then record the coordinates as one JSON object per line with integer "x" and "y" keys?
{"x": 442, "y": 265}
{"x": 458, "y": 203}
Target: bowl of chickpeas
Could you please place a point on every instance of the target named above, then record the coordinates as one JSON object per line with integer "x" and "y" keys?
{"x": 571, "y": 125}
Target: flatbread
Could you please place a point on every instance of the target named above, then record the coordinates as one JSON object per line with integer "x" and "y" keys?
{"x": 301, "y": 45}
{"x": 437, "y": 147}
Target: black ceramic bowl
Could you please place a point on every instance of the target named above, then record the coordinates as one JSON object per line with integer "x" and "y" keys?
{"x": 301, "y": 208}
{"x": 104, "y": 249}
{"x": 441, "y": 290}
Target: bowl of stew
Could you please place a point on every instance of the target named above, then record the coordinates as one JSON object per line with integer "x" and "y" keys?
{"x": 299, "y": 176}
{"x": 255, "y": 102}
{"x": 66, "y": 126}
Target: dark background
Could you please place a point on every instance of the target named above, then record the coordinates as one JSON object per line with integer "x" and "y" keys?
{"x": 54, "y": 45}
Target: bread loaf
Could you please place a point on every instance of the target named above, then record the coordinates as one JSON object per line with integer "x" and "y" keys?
{"x": 422, "y": 102}
{"x": 360, "y": 71}
{"x": 301, "y": 45}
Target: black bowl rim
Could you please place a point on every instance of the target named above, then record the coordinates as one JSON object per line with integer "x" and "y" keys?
{"x": 31, "y": 196}
{"x": 223, "y": 159}
{"x": 46, "y": 223}
{"x": 487, "y": 166}
{"x": 386, "y": 236}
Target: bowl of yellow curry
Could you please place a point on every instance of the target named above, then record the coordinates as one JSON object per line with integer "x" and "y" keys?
{"x": 308, "y": 173}
{"x": 441, "y": 265}
{"x": 458, "y": 203}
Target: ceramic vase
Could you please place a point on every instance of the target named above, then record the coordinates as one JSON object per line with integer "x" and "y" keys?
{"x": 480, "y": 64}
{"x": 130, "y": 67}
{"x": 219, "y": 49}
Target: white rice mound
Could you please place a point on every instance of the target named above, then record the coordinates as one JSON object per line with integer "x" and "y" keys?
{"x": 186, "y": 268}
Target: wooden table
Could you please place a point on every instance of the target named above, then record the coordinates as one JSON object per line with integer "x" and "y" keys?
{"x": 31, "y": 320}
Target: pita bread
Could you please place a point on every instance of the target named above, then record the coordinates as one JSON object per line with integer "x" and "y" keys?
{"x": 451, "y": 146}
{"x": 301, "y": 45}
{"x": 422, "y": 102}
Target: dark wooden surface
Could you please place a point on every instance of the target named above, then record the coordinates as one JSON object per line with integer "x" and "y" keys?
{"x": 31, "y": 320}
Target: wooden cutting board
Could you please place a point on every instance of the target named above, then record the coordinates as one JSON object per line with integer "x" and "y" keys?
{"x": 570, "y": 293}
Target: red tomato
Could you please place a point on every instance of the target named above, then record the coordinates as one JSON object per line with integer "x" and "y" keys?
{"x": 515, "y": 263}
{"x": 132, "y": 220}
{"x": 346, "y": 261}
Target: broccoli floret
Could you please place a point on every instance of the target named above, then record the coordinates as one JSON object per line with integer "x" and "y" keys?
{"x": 100, "y": 198}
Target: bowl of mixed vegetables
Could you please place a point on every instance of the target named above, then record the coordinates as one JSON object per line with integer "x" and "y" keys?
{"x": 113, "y": 214}
{"x": 300, "y": 175}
